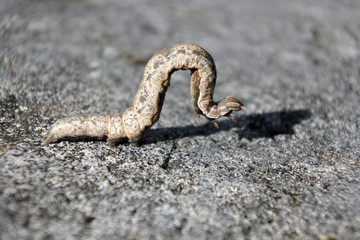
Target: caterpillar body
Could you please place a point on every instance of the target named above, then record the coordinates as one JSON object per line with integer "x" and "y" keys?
{"x": 146, "y": 109}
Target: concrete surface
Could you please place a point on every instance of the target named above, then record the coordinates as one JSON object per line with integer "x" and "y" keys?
{"x": 289, "y": 169}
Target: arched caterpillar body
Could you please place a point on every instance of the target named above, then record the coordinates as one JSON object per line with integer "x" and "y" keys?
{"x": 145, "y": 112}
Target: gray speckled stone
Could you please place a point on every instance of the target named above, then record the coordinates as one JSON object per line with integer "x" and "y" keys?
{"x": 289, "y": 169}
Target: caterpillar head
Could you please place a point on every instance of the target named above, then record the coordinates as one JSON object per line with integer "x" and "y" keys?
{"x": 224, "y": 108}
{"x": 229, "y": 104}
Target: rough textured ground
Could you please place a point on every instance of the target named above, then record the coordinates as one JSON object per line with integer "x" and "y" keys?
{"x": 289, "y": 169}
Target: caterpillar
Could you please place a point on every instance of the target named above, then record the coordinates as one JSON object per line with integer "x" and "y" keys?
{"x": 149, "y": 98}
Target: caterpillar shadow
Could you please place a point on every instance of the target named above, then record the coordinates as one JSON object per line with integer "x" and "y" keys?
{"x": 252, "y": 126}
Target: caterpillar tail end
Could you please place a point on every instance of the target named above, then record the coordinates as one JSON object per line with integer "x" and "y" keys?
{"x": 49, "y": 139}
{"x": 54, "y": 134}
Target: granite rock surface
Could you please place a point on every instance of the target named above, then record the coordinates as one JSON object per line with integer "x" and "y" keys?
{"x": 288, "y": 169}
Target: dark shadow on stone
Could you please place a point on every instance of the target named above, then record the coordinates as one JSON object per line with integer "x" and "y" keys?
{"x": 252, "y": 126}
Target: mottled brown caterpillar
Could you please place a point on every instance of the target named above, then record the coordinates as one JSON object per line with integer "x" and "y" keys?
{"x": 145, "y": 112}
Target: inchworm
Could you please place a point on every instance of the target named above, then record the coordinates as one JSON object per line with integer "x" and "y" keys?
{"x": 145, "y": 112}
